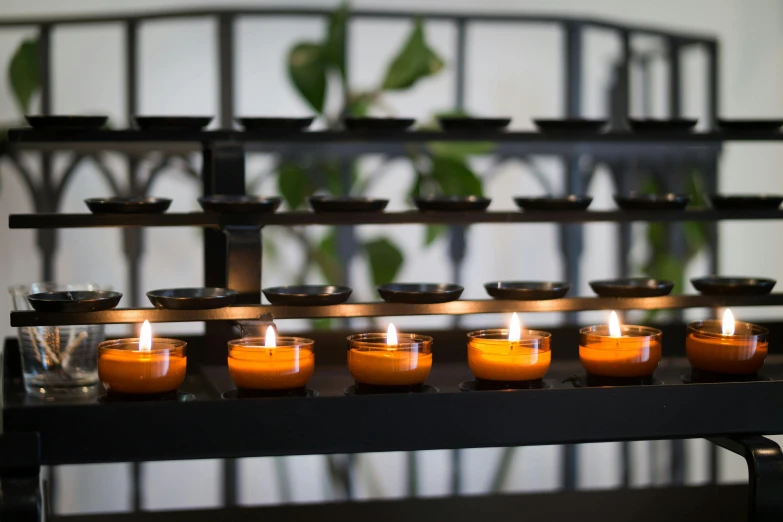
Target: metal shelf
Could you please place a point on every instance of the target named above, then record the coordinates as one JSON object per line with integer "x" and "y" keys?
{"x": 210, "y": 220}
{"x": 387, "y": 142}
{"x": 382, "y": 309}
{"x": 672, "y": 504}
{"x": 212, "y": 427}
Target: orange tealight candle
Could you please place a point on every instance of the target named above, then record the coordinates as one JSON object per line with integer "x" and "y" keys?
{"x": 726, "y": 347}
{"x": 142, "y": 366}
{"x": 395, "y": 360}
{"x": 510, "y": 358}
{"x": 620, "y": 351}
{"x": 271, "y": 363}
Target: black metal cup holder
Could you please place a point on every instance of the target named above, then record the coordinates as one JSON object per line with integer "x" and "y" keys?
{"x": 374, "y": 389}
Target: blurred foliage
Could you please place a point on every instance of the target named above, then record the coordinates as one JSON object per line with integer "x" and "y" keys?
{"x": 311, "y": 65}
{"x": 24, "y": 74}
{"x": 662, "y": 263}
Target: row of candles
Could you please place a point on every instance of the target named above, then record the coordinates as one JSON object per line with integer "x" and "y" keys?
{"x": 499, "y": 358}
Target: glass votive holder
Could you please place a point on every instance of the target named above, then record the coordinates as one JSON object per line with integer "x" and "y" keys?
{"x": 498, "y": 363}
{"x": 633, "y": 355}
{"x": 710, "y": 350}
{"x": 378, "y": 367}
{"x": 124, "y": 369}
{"x": 281, "y": 370}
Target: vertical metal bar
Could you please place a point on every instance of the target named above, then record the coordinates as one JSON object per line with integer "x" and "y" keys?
{"x": 713, "y": 83}
{"x": 45, "y": 70}
{"x": 226, "y": 69}
{"x": 459, "y": 61}
{"x": 625, "y": 469}
{"x": 571, "y": 236}
{"x": 712, "y": 464}
{"x": 132, "y": 237}
{"x": 229, "y": 162}
{"x": 675, "y": 78}
{"x": 45, "y": 200}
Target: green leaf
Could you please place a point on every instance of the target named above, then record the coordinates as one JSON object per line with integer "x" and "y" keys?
{"x": 307, "y": 70}
{"x": 23, "y": 74}
{"x": 323, "y": 323}
{"x": 385, "y": 260}
{"x": 325, "y": 258}
{"x": 414, "y": 62}
{"x": 455, "y": 177}
{"x": 359, "y": 103}
{"x": 460, "y": 149}
{"x": 293, "y": 184}
{"x": 334, "y": 47}
{"x": 432, "y": 233}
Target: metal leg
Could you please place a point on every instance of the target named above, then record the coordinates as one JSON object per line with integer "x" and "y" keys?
{"x": 20, "y": 468}
{"x": 223, "y": 173}
{"x": 765, "y": 474}
{"x": 568, "y": 479}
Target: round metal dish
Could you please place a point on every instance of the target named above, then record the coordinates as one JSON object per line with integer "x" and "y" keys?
{"x": 569, "y": 125}
{"x": 378, "y": 124}
{"x": 460, "y": 123}
{"x": 526, "y": 290}
{"x": 127, "y": 205}
{"x": 74, "y": 301}
{"x": 746, "y": 201}
{"x": 234, "y": 204}
{"x": 632, "y": 287}
{"x": 192, "y": 298}
{"x": 716, "y": 285}
{"x": 307, "y": 295}
{"x": 664, "y": 125}
{"x": 66, "y": 122}
{"x": 652, "y": 201}
{"x": 347, "y": 204}
{"x": 419, "y": 293}
{"x": 452, "y": 203}
{"x": 172, "y": 122}
{"x": 551, "y": 203}
{"x": 278, "y": 124}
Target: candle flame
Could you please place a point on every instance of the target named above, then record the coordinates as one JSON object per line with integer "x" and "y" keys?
{"x": 270, "y": 341}
{"x": 145, "y": 337}
{"x": 515, "y": 328}
{"x": 391, "y": 335}
{"x": 728, "y": 323}
{"x": 614, "y": 325}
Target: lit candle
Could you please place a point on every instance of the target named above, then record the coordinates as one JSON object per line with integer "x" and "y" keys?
{"x": 390, "y": 359}
{"x": 727, "y": 346}
{"x": 509, "y": 356}
{"x": 142, "y": 366}
{"x": 271, "y": 363}
{"x": 616, "y": 350}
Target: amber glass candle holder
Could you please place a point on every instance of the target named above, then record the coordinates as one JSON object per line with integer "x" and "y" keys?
{"x": 126, "y": 370}
{"x": 498, "y": 363}
{"x": 710, "y": 350}
{"x": 283, "y": 370}
{"x": 378, "y": 367}
{"x": 629, "y": 359}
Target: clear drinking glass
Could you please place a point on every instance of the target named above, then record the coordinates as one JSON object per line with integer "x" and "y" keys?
{"x": 57, "y": 359}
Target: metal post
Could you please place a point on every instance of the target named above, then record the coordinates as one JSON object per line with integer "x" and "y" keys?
{"x": 45, "y": 199}
{"x": 459, "y": 61}
{"x": 713, "y": 83}
{"x": 765, "y": 475}
{"x": 675, "y": 75}
{"x": 571, "y": 236}
{"x": 226, "y": 69}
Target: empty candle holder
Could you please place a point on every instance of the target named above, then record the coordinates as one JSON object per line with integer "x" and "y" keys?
{"x": 502, "y": 364}
{"x": 389, "y": 363}
{"x": 263, "y": 369}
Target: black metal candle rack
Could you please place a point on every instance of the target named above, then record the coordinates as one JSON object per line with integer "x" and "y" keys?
{"x": 563, "y": 410}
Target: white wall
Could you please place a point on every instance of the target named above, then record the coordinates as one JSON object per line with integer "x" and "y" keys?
{"x": 510, "y": 71}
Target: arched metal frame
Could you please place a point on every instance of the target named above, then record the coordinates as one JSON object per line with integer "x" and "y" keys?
{"x": 623, "y": 164}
